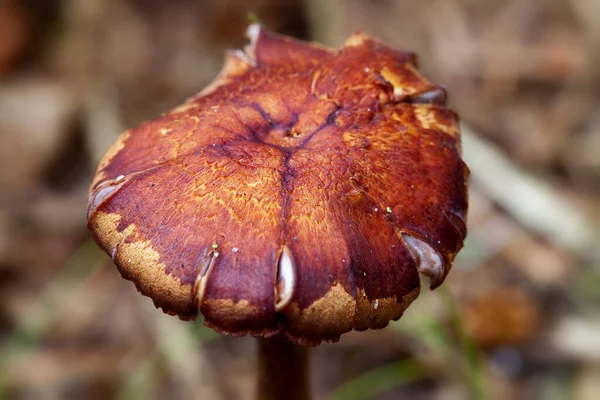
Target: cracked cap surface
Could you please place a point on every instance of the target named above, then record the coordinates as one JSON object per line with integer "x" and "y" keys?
{"x": 301, "y": 193}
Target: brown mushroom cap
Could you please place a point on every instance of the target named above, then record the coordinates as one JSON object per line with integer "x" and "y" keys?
{"x": 300, "y": 193}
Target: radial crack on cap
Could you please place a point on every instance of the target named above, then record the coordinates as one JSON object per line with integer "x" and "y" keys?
{"x": 205, "y": 264}
{"x": 285, "y": 279}
{"x": 252, "y": 33}
{"x": 103, "y": 192}
{"x": 429, "y": 262}
{"x": 437, "y": 96}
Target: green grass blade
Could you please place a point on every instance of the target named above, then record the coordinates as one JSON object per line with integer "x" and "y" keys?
{"x": 379, "y": 380}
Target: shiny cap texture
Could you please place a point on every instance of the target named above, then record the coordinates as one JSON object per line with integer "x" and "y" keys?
{"x": 301, "y": 193}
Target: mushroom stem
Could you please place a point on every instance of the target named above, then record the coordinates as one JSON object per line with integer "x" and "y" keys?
{"x": 282, "y": 370}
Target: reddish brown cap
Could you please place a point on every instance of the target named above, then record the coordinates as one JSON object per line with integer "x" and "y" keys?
{"x": 300, "y": 193}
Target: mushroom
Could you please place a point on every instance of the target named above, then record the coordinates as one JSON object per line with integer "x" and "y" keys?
{"x": 296, "y": 198}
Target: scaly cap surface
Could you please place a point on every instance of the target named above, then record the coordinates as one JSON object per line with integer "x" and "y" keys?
{"x": 300, "y": 193}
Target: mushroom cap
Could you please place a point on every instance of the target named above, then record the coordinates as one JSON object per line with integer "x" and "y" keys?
{"x": 301, "y": 193}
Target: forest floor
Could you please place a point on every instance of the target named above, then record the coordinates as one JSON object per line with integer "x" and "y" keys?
{"x": 518, "y": 316}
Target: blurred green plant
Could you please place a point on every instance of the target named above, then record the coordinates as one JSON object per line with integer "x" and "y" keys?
{"x": 171, "y": 349}
{"x": 49, "y": 306}
{"x": 379, "y": 380}
{"x": 468, "y": 352}
{"x": 82, "y": 266}
{"x": 253, "y": 18}
{"x": 448, "y": 351}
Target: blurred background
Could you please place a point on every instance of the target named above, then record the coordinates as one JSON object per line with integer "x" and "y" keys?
{"x": 518, "y": 317}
